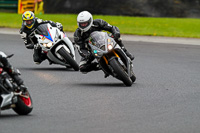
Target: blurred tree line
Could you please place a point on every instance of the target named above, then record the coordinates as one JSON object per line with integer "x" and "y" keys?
{"x": 152, "y": 8}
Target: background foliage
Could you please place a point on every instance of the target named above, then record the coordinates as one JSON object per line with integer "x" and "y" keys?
{"x": 151, "y": 8}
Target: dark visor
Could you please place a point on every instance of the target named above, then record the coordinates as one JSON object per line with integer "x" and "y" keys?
{"x": 84, "y": 24}
{"x": 29, "y": 22}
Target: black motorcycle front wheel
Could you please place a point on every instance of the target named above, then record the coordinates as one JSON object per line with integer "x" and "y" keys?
{"x": 121, "y": 73}
{"x": 68, "y": 59}
{"x": 24, "y": 105}
{"x": 133, "y": 77}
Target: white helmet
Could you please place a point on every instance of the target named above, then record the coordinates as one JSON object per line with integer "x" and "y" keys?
{"x": 84, "y": 21}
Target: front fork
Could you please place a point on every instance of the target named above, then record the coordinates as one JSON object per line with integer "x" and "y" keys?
{"x": 128, "y": 67}
{"x": 71, "y": 46}
{"x": 58, "y": 48}
{"x": 105, "y": 59}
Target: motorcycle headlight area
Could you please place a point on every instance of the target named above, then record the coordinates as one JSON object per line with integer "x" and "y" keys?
{"x": 47, "y": 45}
{"x": 110, "y": 46}
{"x": 97, "y": 53}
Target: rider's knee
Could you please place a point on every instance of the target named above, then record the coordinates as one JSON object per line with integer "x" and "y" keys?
{"x": 83, "y": 68}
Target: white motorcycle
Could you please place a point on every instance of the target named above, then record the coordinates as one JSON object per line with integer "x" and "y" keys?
{"x": 56, "y": 45}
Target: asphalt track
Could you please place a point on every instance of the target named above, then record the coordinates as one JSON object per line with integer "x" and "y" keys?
{"x": 164, "y": 99}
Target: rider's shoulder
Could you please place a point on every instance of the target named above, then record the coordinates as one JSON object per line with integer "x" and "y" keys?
{"x": 77, "y": 32}
{"x": 23, "y": 29}
{"x": 99, "y": 22}
{"x": 38, "y": 20}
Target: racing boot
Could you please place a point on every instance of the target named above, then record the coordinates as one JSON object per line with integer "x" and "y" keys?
{"x": 128, "y": 53}
{"x": 23, "y": 88}
{"x": 85, "y": 68}
{"x": 15, "y": 75}
{"x": 17, "y": 79}
{"x": 21, "y": 85}
{"x": 119, "y": 41}
{"x": 37, "y": 54}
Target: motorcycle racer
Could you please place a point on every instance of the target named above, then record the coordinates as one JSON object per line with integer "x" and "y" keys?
{"x": 86, "y": 25}
{"x": 29, "y": 24}
{"x": 11, "y": 71}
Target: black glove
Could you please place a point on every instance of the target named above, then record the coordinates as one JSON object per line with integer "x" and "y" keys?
{"x": 59, "y": 26}
{"x": 84, "y": 53}
{"x": 37, "y": 46}
{"x": 116, "y": 35}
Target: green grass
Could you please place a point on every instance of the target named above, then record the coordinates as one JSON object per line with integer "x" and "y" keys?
{"x": 172, "y": 27}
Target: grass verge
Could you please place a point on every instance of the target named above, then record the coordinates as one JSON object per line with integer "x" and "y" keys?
{"x": 171, "y": 27}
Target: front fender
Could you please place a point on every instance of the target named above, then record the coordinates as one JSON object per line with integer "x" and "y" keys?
{"x": 114, "y": 57}
{"x": 123, "y": 60}
{"x": 70, "y": 45}
{"x": 58, "y": 48}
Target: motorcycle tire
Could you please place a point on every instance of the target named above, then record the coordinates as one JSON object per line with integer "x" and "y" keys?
{"x": 133, "y": 77}
{"x": 119, "y": 70}
{"x": 69, "y": 59}
{"x": 24, "y": 105}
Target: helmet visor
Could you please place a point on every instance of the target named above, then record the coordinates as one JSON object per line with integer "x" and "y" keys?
{"x": 29, "y": 22}
{"x": 83, "y": 25}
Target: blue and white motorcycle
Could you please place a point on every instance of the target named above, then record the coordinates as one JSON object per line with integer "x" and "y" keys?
{"x": 56, "y": 45}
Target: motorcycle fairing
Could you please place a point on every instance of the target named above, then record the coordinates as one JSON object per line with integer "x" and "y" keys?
{"x": 49, "y": 36}
{"x": 6, "y": 99}
{"x": 44, "y": 31}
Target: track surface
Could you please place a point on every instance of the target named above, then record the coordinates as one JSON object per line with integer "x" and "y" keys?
{"x": 164, "y": 99}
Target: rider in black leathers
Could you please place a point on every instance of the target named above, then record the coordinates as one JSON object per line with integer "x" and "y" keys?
{"x": 30, "y": 23}
{"x": 86, "y": 25}
{"x": 11, "y": 71}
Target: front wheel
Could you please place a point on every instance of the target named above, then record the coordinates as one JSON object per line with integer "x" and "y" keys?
{"x": 119, "y": 70}
{"x": 24, "y": 105}
{"x": 66, "y": 56}
{"x": 133, "y": 77}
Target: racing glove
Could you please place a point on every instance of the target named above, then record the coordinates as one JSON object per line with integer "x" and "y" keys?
{"x": 37, "y": 46}
{"x": 116, "y": 35}
{"x": 59, "y": 26}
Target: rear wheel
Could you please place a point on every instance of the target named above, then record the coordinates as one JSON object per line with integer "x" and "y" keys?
{"x": 67, "y": 57}
{"x": 24, "y": 105}
{"x": 121, "y": 73}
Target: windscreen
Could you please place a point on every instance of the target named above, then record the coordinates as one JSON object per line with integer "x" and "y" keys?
{"x": 98, "y": 38}
{"x": 42, "y": 30}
